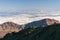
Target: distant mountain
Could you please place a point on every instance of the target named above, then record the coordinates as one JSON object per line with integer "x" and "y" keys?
{"x": 43, "y": 23}
{"x": 51, "y": 32}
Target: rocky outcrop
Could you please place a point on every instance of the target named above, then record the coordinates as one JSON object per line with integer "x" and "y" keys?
{"x": 51, "y": 21}
{"x": 43, "y": 23}
{"x": 9, "y": 27}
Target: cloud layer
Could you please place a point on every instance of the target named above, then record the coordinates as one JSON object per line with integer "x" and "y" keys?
{"x": 24, "y": 18}
{"x": 29, "y": 16}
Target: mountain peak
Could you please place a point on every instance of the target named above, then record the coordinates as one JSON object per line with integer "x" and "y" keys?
{"x": 43, "y": 23}
{"x": 9, "y": 27}
{"x": 51, "y": 21}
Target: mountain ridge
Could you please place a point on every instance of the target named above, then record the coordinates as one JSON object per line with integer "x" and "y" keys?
{"x": 9, "y": 27}
{"x": 43, "y": 22}
{"x": 51, "y": 32}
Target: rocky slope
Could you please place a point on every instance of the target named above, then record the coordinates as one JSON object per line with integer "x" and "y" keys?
{"x": 43, "y": 23}
{"x": 51, "y": 32}
{"x": 51, "y": 21}
{"x": 9, "y": 27}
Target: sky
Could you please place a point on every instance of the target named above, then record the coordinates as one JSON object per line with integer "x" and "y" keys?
{"x": 11, "y": 7}
{"x": 28, "y": 4}
{"x": 25, "y": 11}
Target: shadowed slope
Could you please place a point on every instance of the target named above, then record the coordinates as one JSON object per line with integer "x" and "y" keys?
{"x": 51, "y": 32}
{"x": 43, "y": 23}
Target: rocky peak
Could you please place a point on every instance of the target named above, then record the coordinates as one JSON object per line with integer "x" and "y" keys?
{"x": 51, "y": 21}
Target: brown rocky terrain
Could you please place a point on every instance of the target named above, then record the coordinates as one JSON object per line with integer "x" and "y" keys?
{"x": 9, "y": 27}
{"x": 51, "y": 21}
{"x": 43, "y": 23}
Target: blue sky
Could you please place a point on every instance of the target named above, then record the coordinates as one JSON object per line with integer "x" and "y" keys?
{"x": 23, "y": 5}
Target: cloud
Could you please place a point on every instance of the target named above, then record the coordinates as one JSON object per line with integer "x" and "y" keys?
{"x": 24, "y": 18}
{"x": 29, "y": 16}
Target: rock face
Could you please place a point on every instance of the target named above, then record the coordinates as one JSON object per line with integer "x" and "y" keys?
{"x": 43, "y": 23}
{"x": 9, "y": 27}
{"x": 51, "y": 21}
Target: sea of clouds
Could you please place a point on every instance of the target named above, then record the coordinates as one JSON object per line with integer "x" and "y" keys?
{"x": 29, "y": 16}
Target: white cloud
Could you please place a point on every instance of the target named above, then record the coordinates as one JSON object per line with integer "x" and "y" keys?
{"x": 23, "y": 19}
{"x": 26, "y": 17}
